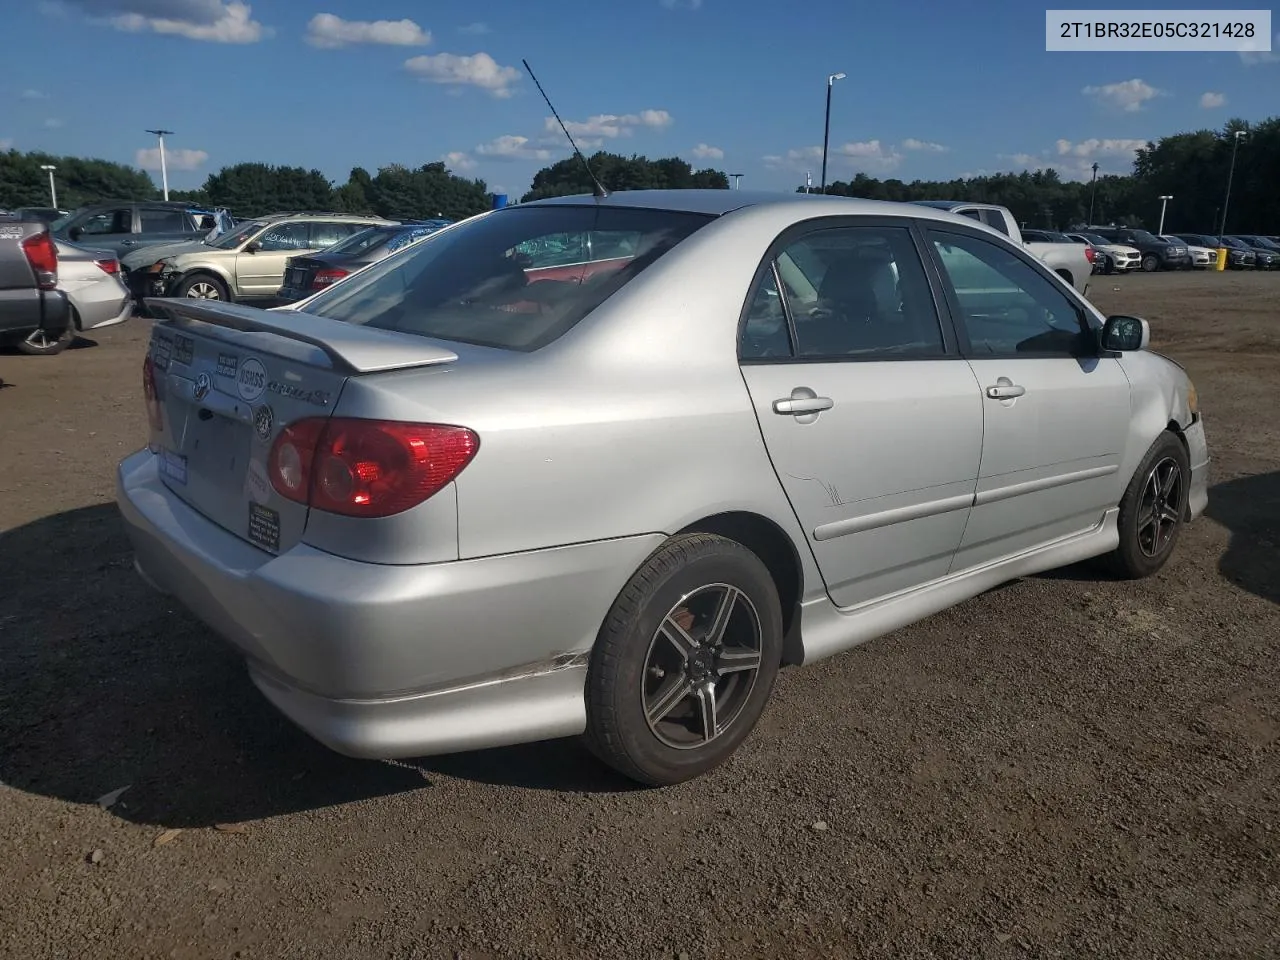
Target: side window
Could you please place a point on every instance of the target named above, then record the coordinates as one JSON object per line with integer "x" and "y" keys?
{"x": 972, "y": 215}
{"x": 1006, "y": 306}
{"x": 765, "y": 334}
{"x": 162, "y": 221}
{"x": 108, "y": 222}
{"x": 553, "y": 250}
{"x": 284, "y": 236}
{"x": 326, "y": 234}
{"x": 852, "y": 293}
{"x": 995, "y": 220}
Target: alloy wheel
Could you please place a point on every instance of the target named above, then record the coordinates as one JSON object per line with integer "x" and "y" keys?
{"x": 203, "y": 290}
{"x": 1160, "y": 509}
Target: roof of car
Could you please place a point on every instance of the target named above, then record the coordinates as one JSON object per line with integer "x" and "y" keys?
{"x": 719, "y": 202}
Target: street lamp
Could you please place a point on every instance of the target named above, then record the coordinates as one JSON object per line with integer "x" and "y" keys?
{"x": 1222, "y": 225}
{"x": 826, "y": 130}
{"x": 737, "y": 180}
{"x": 1164, "y": 202}
{"x": 1093, "y": 193}
{"x": 164, "y": 170}
{"x": 53, "y": 187}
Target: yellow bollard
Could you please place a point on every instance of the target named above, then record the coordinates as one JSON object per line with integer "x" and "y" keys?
{"x": 1222, "y": 259}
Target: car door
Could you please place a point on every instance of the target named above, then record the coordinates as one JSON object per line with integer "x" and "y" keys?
{"x": 110, "y": 228}
{"x": 1055, "y": 411}
{"x": 260, "y": 265}
{"x": 872, "y": 420}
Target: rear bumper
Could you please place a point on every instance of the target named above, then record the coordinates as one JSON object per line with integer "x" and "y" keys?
{"x": 28, "y": 309}
{"x": 390, "y": 661}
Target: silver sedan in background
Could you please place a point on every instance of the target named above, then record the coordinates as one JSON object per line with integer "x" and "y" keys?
{"x": 93, "y": 284}
{"x": 602, "y": 466}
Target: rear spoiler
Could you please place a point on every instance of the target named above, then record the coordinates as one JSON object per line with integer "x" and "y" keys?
{"x": 350, "y": 347}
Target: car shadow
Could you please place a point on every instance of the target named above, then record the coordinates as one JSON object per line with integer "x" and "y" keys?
{"x": 107, "y": 684}
{"x": 81, "y": 342}
{"x": 1249, "y": 507}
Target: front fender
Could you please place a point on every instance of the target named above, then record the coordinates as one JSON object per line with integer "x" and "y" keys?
{"x": 180, "y": 271}
{"x": 1159, "y": 395}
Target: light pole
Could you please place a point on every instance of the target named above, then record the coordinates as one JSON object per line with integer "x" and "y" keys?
{"x": 53, "y": 187}
{"x": 164, "y": 170}
{"x": 826, "y": 130}
{"x": 737, "y": 180}
{"x": 1093, "y": 192}
{"x": 1164, "y": 202}
{"x": 1222, "y": 225}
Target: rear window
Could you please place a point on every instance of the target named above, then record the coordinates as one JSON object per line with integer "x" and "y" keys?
{"x": 515, "y": 279}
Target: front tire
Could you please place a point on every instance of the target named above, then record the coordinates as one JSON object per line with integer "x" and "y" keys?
{"x": 1152, "y": 511}
{"x": 202, "y": 286}
{"x": 1150, "y": 263}
{"x": 685, "y": 661}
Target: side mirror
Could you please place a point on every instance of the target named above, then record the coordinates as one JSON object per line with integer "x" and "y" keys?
{"x": 75, "y": 233}
{"x": 1125, "y": 334}
{"x": 252, "y": 247}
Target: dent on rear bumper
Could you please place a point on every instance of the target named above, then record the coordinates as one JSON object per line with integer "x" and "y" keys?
{"x": 370, "y": 658}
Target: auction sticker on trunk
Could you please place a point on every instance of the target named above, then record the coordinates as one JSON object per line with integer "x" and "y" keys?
{"x": 174, "y": 466}
{"x": 251, "y": 382}
{"x": 264, "y": 527}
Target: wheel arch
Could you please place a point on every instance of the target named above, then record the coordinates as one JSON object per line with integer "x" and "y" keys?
{"x": 778, "y": 553}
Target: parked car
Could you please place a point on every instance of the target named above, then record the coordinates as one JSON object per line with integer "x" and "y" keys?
{"x": 1265, "y": 253}
{"x": 1092, "y": 254}
{"x": 1156, "y": 254}
{"x": 305, "y": 275}
{"x": 245, "y": 264}
{"x": 1250, "y": 254}
{"x": 1113, "y": 257}
{"x": 391, "y": 502}
{"x": 1074, "y": 265}
{"x": 92, "y": 282}
{"x": 43, "y": 214}
{"x": 34, "y": 314}
{"x": 122, "y": 226}
{"x": 1202, "y": 257}
{"x": 1238, "y": 258}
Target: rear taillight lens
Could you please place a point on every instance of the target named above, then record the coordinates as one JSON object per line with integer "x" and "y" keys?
{"x": 1090, "y": 254}
{"x": 367, "y": 468}
{"x": 108, "y": 266}
{"x": 151, "y": 395}
{"x": 325, "y": 277}
{"x": 43, "y": 257}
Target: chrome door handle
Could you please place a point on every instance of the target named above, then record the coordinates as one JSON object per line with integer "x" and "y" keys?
{"x": 800, "y": 405}
{"x": 1005, "y": 389}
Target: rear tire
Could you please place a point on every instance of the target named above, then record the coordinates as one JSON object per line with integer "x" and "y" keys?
{"x": 1152, "y": 511}
{"x": 38, "y": 343}
{"x": 670, "y": 696}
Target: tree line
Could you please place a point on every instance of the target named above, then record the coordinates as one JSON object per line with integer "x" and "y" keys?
{"x": 1192, "y": 167}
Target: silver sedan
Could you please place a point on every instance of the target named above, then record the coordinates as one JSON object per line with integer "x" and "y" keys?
{"x": 93, "y": 284}
{"x": 603, "y": 466}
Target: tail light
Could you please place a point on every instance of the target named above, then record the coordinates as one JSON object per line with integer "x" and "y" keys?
{"x": 111, "y": 265}
{"x": 151, "y": 395}
{"x": 43, "y": 257}
{"x": 1090, "y": 254}
{"x": 367, "y": 468}
{"x": 327, "y": 276}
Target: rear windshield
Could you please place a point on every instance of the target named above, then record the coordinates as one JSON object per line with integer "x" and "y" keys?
{"x": 516, "y": 279}
{"x": 360, "y": 242}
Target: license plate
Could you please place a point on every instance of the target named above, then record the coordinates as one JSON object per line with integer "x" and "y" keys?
{"x": 174, "y": 466}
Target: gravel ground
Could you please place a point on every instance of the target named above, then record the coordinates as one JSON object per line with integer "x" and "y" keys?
{"x": 1064, "y": 767}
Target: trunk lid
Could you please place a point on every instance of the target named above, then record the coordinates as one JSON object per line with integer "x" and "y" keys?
{"x": 229, "y": 378}
{"x": 298, "y": 274}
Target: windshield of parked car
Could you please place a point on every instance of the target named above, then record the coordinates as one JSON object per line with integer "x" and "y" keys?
{"x": 238, "y": 236}
{"x": 516, "y": 279}
{"x": 61, "y": 222}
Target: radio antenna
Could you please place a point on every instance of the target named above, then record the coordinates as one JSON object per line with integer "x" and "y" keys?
{"x": 598, "y": 190}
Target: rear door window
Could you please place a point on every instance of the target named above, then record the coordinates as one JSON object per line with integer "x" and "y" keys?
{"x": 515, "y": 279}
{"x": 162, "y": 221}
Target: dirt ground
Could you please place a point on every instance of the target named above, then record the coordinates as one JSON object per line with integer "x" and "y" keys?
{"x": 1064, "y": 767}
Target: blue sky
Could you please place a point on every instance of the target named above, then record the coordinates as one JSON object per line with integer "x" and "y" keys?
{"x": 933, "y": 90}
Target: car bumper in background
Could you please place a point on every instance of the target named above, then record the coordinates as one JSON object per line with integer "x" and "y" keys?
{"x": 390, "y": 661}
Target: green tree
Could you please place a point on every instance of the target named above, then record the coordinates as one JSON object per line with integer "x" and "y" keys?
{"x": 616, "y": 172}
{"x": 79, "y": 180}
{"x": 254, "y": 189}
{"x": 429, "y": 191}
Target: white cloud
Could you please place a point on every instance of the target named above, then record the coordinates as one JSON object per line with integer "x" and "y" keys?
{"x": 595, "y": 130}
{"x": 217, "y": 21}
{"x": 53, "y": 123}
{"x": 477, "y": 70}
{"x": 705, "y": 151}
{"x": 869, "y": 155}
{"x": 459, "y": 160}
{"x": 1074, "y": 161}
{"x": 477, "y": 29}
{"x": 1027, "y": 160}
{"x": 1210, "y": 100}
{"x": 148, "y": 158}
{"x": 1095, "y": 147}
{"x": 33, "y": 95}
{"x": 512, "y": 148}
{"x": 1252, "y": 58}
{"x": 927, "y": 146}
{"x": 681, "y": 4}
{"x": 1127, "y": 95}
{"x": 330, "y": 32}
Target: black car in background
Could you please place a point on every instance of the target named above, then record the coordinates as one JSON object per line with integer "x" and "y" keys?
{"x": 1239, "y": 257}
{"x": 1265, "y": 250}
{"x": 310, "y": 274}
{"x": 1156, "y": 254}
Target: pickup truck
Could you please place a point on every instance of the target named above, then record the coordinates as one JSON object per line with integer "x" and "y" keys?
{"x": 35, "y": 316}
{"x": 1070, "y": 261}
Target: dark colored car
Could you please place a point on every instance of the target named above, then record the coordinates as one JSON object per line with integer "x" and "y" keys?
{"x": 1266, "y": 251}
{"x": 1156, "y": 254}
{"x": 1250, "y": 255}
{"x": 1238, "y": 257}
{"x": 125, "y": 225}
{"x": 35, "y": 316}
{"x": 308, "y": 274}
